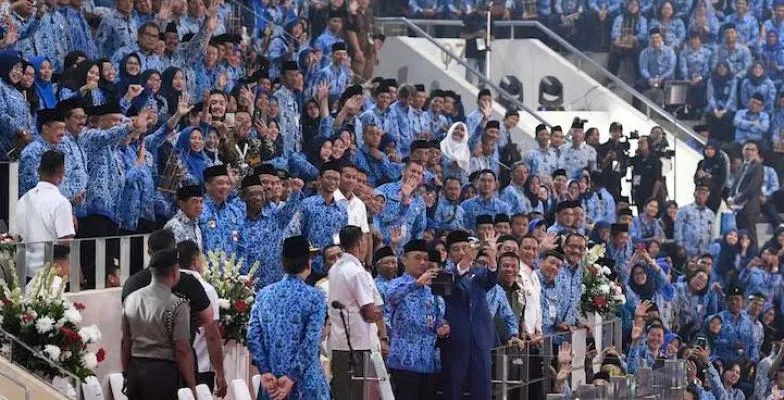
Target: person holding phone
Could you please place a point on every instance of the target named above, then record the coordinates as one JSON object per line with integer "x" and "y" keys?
{"x": 737, "y": 331}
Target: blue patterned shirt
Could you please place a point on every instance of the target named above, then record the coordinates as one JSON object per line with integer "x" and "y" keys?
{"x": 290, "y": 346}
{"x": 569, "y": 282}
{"x": 149, "y": 60}
{"x": 105, "y": 168}
{"x": 695, "y": 62}
{"x": 325, "y": 42}
{"x": 320, "y": 223}
{"x": 750, "y": 125}
{"x": 337, "y": 76}
{"x": 116, "y": 31}
{"x": 379, "y": 171}
{"x": 621, "y": 257}
{"x": 412, "y": 217}
{"x": 574, "y": 159}
{"x": 220, "y": 226}
{"x": 658, "y": 63}
{"x": 404, "y": 121}
{"x": 51, "y": 39}
{"x": 770, "y": 181}
{"x": 747, "y": 28}
{"x": 14, "y": 117}
{"x": 80, "y": 35}
{"x": 736, "y": 331}
{"x": 643, "y": 229}
{"x": 289, "y": 119}
{"x": 673, "y": 31}
{"x": 386, "y": 121}
{"x": 599, "y": 209}
{"x": 549, "y": 302}
{"x": 692, "y": 309}
{"x": 541, "y": 162}
{"x": 739, "y": 59}
{"x": 516, "y": 199}
{"x": 766, "y": 88}
{"x": 498, "y": 304}
{"x": 476, "y": 206}
{"x": 415, "y": 314}
{"x": 449, "y": 215}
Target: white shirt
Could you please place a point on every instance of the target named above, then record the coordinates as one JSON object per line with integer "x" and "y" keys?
{"x": 532, "y": 316}
{"x": 357, "y": 212}
{"x": 43, "y": 214}
{"x": 200, "y": 342}
{"x": 351, "y": 285}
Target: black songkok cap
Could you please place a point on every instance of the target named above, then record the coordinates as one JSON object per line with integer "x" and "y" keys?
{"x": 290, "y": 66}
{"x": 265, "y": 169}
{"x": 350, "y": 92}
{"x": 484, "y": 219}
{"x": 577, "y": 124}
{"x": 215, "y": 170}
{"x": 625, "y": 211}
{"x": 553, "y": 253}
{"x": 420, "y": 87}
{"x": 171, "y": 27}
{"x": 564, "y": 205}
{"x": 559, "y": 172}
{"x": 338, "y": 46}
{"x": 385, "y": 251}
{"x": 111, "y": 107}
{"x": 390, "y": 83}
{"x": 70, "y": 104}
{"x": 619, "y": 228}
{"x": 734, "y": 291}
{"x": 492, "y": 124}
{"x": 296, "y": 246}
{"x": 49, "y": 115}
{"x": 186, "y": 192}
{"x": 419, "y": 144}
{"x": 415, "y": 245}
{"x": 500, "y": 218}
{"x": 456, "y": 237}
{"x": 250, "y": 180}
{"x": 332, "y": 165}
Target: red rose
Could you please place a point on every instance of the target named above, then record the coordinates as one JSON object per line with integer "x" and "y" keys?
{"x": 240, "y": 306}
{"x": 601, "y": 301}
{"x": 100, "y": 355}
{"x": 79, "y": 306}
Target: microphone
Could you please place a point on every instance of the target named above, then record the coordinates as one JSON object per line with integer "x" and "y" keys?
{"x": 338, "y": 305}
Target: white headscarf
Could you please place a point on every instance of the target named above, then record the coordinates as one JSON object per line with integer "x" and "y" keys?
{"x": 457, "y": 150}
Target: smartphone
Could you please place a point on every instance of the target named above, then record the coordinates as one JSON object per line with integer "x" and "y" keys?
{"x": 640, "y": 246}
{"x": 229, "y": 119}
{"x": 702, "y": 342}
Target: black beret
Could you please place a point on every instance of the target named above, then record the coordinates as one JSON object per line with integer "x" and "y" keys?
{"x": 265, "y": 169}
{"x": 215, "y": 170}
{"x": 625, "y": 211}
{"x": 415, "y": 245}
{"x": 338, "y": 46}
{"x": 49, "y": 115}
{"x": 419, "y": 144}
{"x": 420, "y": 87}
{"x": 296, "y": 246}
{"x": 385, "y": 251}
{"x": 250, "y": 180}
{"x": 332, "y": 165}
{"x": 164, "y": 259}
{"x": 559, "y": 172}
{"x": 111, "y": 107}
{"x": 186, "y": 192}
{"x": 619, "y": 228}
{"x": 484, "y": 219}
{"x": 290, "y": 66}
{"x": 456, "y": 237}
{"x": 500, "y": 218}
{"x": 493, "y": 125}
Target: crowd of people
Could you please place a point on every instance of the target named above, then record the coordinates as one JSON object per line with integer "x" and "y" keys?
{"x": 381, "y": 202}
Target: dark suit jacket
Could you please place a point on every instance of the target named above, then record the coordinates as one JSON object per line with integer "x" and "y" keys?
{"x": 747, "y": 189}
{"x": 467, "y": 311}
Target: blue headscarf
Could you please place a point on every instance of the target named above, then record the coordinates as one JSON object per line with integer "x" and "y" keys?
{"x": 195, "y": 162}
{"x": 44, "y": 89}
{"x": 8, "y": 58}
{"x": 669, "y": 338}
{"x": 127, "y": 79}
{"x": 597, "y": 229}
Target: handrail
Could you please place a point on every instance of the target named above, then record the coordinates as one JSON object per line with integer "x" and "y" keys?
{"x": 562, "y": 42}
{"x": 471, "y": 69}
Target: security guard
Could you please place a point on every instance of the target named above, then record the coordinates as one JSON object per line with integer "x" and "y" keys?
{"x": 156, "y": 349}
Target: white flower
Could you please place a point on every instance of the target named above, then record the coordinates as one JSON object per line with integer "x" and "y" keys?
{"x": 620, "y": 298}
{"x": 90, "y": 360}
{"x": 52, "y": 351}
{"x": 243, "y": 278}
{"x": 90, "y": 334}
{"x": 604, "y": 288}
{"x": 72, "y": 315}
{"x": 66, "y": 355}
{"x": 606, "y": 271}
{"x": 616, "y": 289}
{"x": 224, "y": 304}
{"x": 44, "y": 324}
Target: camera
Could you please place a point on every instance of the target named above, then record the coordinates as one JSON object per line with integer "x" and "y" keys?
{"x": 442, "y": 283}
{"x": 634, "y": 135}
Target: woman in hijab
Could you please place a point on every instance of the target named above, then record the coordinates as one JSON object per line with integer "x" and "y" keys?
{"x": 320, "y": 151}
{"x": 646, "y": 282}
{"x": 748, "y": 248}
{"x": 704, "y": 21}
{"x": 772, "y": 56}
{"x": 757, "y": 81}
{"x": 15, "y": 117}
{"x": 43, "y": 82}
{"x": 455, "y": 152}
{"x": 671, "y": 346}
{"x": 770, "y": 327}
{"x": 82, "y": 81}
{"x": 173, "y": 85}
{"x": 600, "y": 234}
{"x": 27, "y": 86}
{"x": 130, "y": 73}
{"x": 726, "y": 265}
{"x": 107, "y": 80}
{"x": 468, "y": 191}
{"x": 712, "y": 170}
{"x": 722, "y": 103}
{"x": 692, "y": 302}
{"x": 190, "y": 149}
{"x": 310, "y": 121}
{"x": 628, "y": 32}
{"x": 151, "y": 96}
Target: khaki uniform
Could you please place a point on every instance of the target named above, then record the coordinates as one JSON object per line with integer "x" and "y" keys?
{"x": 155, "y": 318}
{"x": 366, "y": 29}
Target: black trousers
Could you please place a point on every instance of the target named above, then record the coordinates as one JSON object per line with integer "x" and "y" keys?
{"x": 4, "y": 200}
{"x": 343, "y": 387}
{"x": 96, "y": 226}
{"x": 152, "y": 379}
{"x": 722, "y": 128}
{"x": 206, "y": 378}
{"x": 412, "y": 385}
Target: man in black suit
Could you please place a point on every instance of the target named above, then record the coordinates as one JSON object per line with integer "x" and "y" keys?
{"x": 746, "y": 193}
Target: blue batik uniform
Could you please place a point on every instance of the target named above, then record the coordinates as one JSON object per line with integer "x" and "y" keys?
{"x": 642, "y": 28}
{"x": 75, "y": 181}
{"x": 724, "y": 99}
{"x": 95, "y": 97}
{"x": 763, "y": 86}
{"x": 186, "y": 53}
{"x": 694, "y": 228}
{"x": 220, "y": 226}
{"x": 14, "y": 117}
{"x": 621, "y": 257}
{"x": 476, "y": 206}
{"x": 80, "y": 35}
{"x": 638, "y": 353}
{"x": 773, "y": 25}
{"x": 321, "y": 222}
{"x": 148, "y": 61}
{"x": 142, "y": 18}
{"x": 499, "y": 307}
{"x": 337, "y": 77}
{"x": 419, "y": 122}
{"x": 403, "y": 120}
{"x": 139, "y": 194}
{"x": 289, "y": 346}
{"x": 758, "y": 280}
{"x": 449, "y": 215}
{"x": 674, "y": 31}
{"x": 415, "y": 314}
{"x": 770, "y": 181}
{"x": 717, "y": 386}
{"x": 261, "y": 240}
{"x": 747, "y": 28}
{"x": 574, "y": 159}
{"x": 382, "y": 284}
{"x": 474, "y": 125}
{"x": 484, "y": 161}
{"x": 541, "y": 162}
{"x": 642, "y": 230}
{"x": 289, "y": 119}
{"x": 411, "y": 217}
{"x": 436, "y": 124}
{"x": 324, "y": 42}
{"x": 515, "y": 197}
{"x": 279, "y": 53}
{"x": 569, "y": 284}
{"x": 600, "y": 206}
{"x": 234, "y": 73}
{"x": 104, "y": 167}
{"x": 739, "y": 59}
{"x": 116, "y": 31}
{"x": 549, "y": 303}
{"x": 745, "y": 127}
{"x": 379, "y": 171}
{"x": 30, "y": 160}
{"x": 385, "y": 120}
{"x": 188, "y": 24}
{"x": 692, "y": 309}
{"x": 559, "y": 229}
{"x": 51, "y": 39}
{"x": 659, "y": 63}
{"x": 695, "y": 63}
{"x": 202, "y": 78}
{"x": 736, "y": 330}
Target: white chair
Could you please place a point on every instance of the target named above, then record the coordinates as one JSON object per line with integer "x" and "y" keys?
{"x": 91, "y": 389}
{"x": 203, "y": 392}
{"x": 239, "y": 390}
{"x": 256, "y": 383}
{"x": 116, "y": 384}
{"x": 185, "y": 394}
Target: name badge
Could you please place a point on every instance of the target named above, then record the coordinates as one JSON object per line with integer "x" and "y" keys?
{"x": 552, "y": 310}
{"x": 212, "y": 224}
{"x": 235, "y": 236}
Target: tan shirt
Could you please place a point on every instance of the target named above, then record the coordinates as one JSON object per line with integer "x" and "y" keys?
{"x": 155, "y": 318}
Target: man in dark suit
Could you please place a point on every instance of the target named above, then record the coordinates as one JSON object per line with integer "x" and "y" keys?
{"x": 746, "y": 193}
{"x": 466, "y": 352}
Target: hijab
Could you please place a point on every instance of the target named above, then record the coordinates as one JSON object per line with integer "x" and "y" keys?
{"x": 8, "y": 58}
{"x": 769, "y": 48}
{"x": 44, "y": 89}
{"x": 757, "y": 80}
{"x": 168, "y": 92}
{"x": 126, "y": 79}
{"x": 314, "y": 150}
{"x": 669, "y": 338}
{"x": 457, "y": 151}
{"x": 108, "y": 88}
{"x": 725, "y": 262}
{"x": 195, "y": 162}
{"x": 597, "y": 229}
{"x": 647, "y": 289}
{"x": 721, "y": 83}
{"x": 310, "y": 126}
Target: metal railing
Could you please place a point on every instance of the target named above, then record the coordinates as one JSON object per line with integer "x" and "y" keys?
{"x": 683, "y": 131}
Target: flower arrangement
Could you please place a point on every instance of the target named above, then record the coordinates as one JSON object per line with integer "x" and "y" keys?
{"x": 235, "y": 293}
{"x": 50, "y": 325}
{"x": 600, "y": 295}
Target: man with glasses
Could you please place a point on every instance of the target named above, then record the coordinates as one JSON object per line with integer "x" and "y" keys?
{"x": 746, "y": 192}
{"x": 570, "y": 282}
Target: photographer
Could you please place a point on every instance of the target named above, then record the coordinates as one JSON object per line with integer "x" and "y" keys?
{"x": 613, "y": 158}
{"x": 647, "y": 181}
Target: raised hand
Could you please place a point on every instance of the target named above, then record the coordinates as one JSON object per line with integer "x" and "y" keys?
{"x": 134, "y": 91}
{"x": 395, "y": 235}
{"x": 642, "y": 309}
{"x": 322, "y": 92}
{"x": 565, "y": 354}
{"x": 183, "y": 105}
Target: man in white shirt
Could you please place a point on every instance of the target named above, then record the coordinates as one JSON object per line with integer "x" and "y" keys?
{"x": 532, "y": 316}
{"x": 351, "y": 287}
{"x": 357, "y": 212}
{"x": 43, "y": 214}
